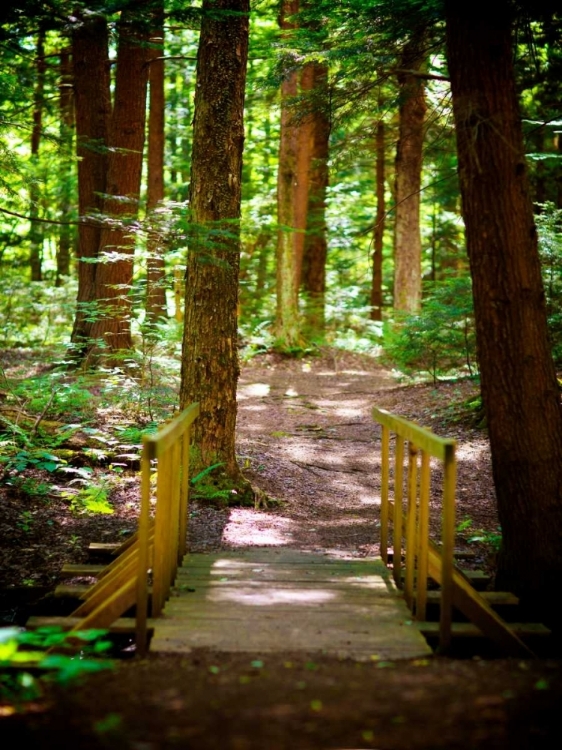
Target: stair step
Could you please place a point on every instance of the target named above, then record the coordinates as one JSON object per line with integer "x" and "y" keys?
{"x": 123, "y": 625}
{"x": 494, "y": 598}
{"x": 468, "y": 630}
{"x": 71, "y": 570}
{"x": 108, "y": 548}
{"x": 70, "y": 590}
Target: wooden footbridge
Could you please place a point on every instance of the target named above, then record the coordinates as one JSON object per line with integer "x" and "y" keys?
{"x": 282, "y": 600}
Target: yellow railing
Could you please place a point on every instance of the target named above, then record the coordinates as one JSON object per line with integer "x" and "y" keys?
{"x": 413, "y": 525}
{"x": 166, "y": 538}
{"x": 159, "y": 544}
{"x": 409, "y": 517}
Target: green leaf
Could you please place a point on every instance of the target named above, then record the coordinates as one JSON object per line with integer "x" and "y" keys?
{"x": 206, "y": 471}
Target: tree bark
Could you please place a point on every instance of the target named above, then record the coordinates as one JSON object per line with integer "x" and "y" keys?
{"x": 111, "y": 330}
{"x": 156, "y": 275}
{"x": 66, "y": 110}
{"x": 92, "y": 100}
{"x": 409, "y": 157}
{"x": 210, "y": 366}
{"x": 35, "y": 233}
{"x": 315, "y": 245}
{"x": 292, "y": 196}
{"x": 378, "y": 230}
{"x": 519, "y": 386}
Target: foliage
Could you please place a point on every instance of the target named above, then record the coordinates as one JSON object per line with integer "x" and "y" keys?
{"x": 21, "y": 649}
{"x": 441, "y": 339}
{"x": 549, "y": 226}
{"x": 490, "y": 539}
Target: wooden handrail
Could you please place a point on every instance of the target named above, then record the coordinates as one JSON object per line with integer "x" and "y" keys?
{"x": 170, "y": 447}
{"x": 413, "y": 525}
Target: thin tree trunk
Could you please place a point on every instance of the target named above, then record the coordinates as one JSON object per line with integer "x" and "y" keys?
{"x": 519, "y": 387}
{"x": 35, "y": 233}
{"x": 407, "y": 238}
{"x": 92, "y": 111}
{"x": 210, "y": 354}
{"x": 292, "y": 196}
{"x": 66, "y": 109}
{"x": 111, "y": 331}
{"x": 378, "y": 231}
{"x": 316, "y": 247}
{"x": 156, "y": 276}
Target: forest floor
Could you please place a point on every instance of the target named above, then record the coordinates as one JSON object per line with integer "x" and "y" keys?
{"x": 305, "y": 438}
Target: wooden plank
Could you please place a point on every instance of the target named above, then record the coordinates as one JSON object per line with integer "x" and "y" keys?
{"x": 494, "y": 598}
{"x": 72, "y": 591}
{"x": 109, "y": 608}
{"x": 477, "y": 610}
{"x": 469, "y": 630}
{"x": 423, "y": 438}
{"x": 71, "y": 570}
{"x": 108, "y": 548}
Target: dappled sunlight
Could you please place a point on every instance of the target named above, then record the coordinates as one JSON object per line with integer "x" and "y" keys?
{"x": 253, "y": 390}
{"x": 270, "y": 531}
{"x": 268, "y": 596}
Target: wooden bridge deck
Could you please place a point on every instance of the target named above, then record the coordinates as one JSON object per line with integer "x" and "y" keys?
{"x": 280, "y": 600}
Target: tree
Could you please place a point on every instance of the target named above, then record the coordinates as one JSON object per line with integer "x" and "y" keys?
{"x": 409, "y": 150}
{"x": 210, "y": 353}
{"x": 155, "y": 272}
{"x": 519, "y": 387}
{"x": 111, "y": 329}
{"x": 92, "y": 99}
{"x": 378, "y": 229}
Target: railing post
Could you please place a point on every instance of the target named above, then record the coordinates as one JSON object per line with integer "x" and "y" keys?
{"x": 184, "y": 493}
{"x": 397, "y": 520}
{"x": 385, "y": 459}
{"x": 447, "y": 552}
{"x": 143, "y": 537}
{"x": 423, "y": 537}
{"x": 410, "y": 545}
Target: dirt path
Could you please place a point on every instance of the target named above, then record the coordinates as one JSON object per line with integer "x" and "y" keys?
{"x": 306, "y": 438}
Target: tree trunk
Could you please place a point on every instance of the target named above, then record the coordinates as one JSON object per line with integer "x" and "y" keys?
{"x": 378, "y": 231}
{"x": 315, "y": 246}
{"x": 519, "y": 386}
{"x": 92, "y": 101}
{"x": 66, "y": 110}
{"x": 409, "y": 151}
{"x": 111, "y": 331}
{"x": 292, "y": 197}
{"x": 210, "y": 354}
{"x": 35, "y": 233}
{"x": 155, "y": 276}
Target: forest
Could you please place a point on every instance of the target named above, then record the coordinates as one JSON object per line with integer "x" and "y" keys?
{"x": 196, "y": 194}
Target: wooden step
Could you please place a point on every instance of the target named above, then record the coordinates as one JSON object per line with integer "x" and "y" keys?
{"x": 494, "y": 598}
{"x": 72, "y": 591}
{"x": 124, "y": 625}
{"x": 458, "y": 554}
{"x": 71, "y": 570}
{"x": 477, "y": 578}
{"x": 104, "y": 548}
{"x": 468, "y": 630}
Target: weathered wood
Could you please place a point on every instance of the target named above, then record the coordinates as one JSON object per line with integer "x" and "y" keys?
{"x": 71, "y": 570}
{"x": 469, "y": 630}
{"x": 271, "y": 600}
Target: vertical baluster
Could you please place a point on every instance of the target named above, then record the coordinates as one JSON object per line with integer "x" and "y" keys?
{"x": 385, "y": 458}
{"x": 447, "y": 552}
{"x": 184, "y": 493}
{"x": 143, "y": 536}
{"x": 397, "y": 520}
{"x": 423, "y": 536}
{"x": 410, "y": 546}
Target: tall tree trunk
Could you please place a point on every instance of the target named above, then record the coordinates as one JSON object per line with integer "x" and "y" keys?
{"x": 378, "y": 230}
{"x": 519, "y": 386}
{"x": 92, "y": 101}
{"x": 292, "y": 196}
{"x": 156, "y": 277}
{"x": 66, "y": 110}
{"x": 407, "y": 238}
{"x": 35, "y": 233}
{"x": 111, "y": 331}
{"x": 210, "y": 354}
{"x": 315, "y": 245}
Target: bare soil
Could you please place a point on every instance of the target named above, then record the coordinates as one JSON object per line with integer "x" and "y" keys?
{"x": 307, "y": 440}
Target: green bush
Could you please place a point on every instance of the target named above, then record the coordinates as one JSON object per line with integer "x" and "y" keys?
{"x": 440, "y": 339}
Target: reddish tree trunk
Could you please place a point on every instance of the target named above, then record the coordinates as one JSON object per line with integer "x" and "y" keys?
{"x": 92, "y": 101}
{"x": 111, "y": 331}
{"x": 519, "y": 386}
{"x": 66, "y": 110}
{"x": 407, "y": 239}
{"x": 378, "y": 231}
{"x": 156, "y": 277}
